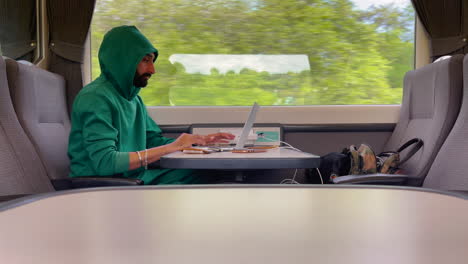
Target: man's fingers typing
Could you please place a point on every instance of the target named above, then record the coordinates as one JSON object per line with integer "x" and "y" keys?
{"x": 219, "y": 137}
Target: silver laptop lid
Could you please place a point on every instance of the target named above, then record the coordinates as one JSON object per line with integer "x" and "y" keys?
{"x": 247, "y": 127}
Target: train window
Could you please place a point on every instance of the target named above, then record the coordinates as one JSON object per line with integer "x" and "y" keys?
{"x": 18, "y": 29}
{"x": 275, "y": 52}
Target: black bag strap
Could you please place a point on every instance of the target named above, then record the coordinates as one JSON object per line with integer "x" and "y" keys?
{"x": 417, "y": 142}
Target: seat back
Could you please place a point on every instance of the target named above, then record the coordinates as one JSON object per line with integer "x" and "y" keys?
{"x": 431, "y": 103}
{"x": 21, "y": 170}
{"x": 40, "y": 104}
{"x": 449, "y": 169}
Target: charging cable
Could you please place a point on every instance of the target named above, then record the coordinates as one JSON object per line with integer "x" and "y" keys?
{"x": 320, "y": 175}
{"x": 290, "y": 181}
{"x": 289, "y": 146}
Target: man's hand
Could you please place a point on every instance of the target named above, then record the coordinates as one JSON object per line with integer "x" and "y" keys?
{"x": 187, "y": 140}
{"x": 218, "y": 138}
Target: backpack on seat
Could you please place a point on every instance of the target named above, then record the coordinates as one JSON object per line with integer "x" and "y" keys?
{"x": 362, "y": 161}
{"x": 389, "y": 162}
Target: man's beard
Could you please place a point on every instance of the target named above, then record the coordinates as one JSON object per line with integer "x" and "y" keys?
{"x": 141, "y": 80}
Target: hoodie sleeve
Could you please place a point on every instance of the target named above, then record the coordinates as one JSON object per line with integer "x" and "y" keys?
{"x": 99, "y": 139}
{"x": 154, "y": 135}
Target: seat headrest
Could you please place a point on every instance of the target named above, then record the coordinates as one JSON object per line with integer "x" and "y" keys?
{"x": 443, "y": 58}
{"x": 25, "y": 62}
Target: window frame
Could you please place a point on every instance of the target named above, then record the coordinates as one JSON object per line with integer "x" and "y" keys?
{"x": 41, "y": 53}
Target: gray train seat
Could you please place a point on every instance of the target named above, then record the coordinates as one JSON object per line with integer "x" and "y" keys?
{"x": 40, "y": 103}
{"x": 21, "y": 169}
{"x": 449, "y": 169}
{"x": 431, "y": 103}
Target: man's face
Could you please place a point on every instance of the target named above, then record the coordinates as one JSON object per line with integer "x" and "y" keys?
{"x": 144, "y": 71}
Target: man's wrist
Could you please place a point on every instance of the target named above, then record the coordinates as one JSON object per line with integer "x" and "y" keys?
{"x": 172, "y": 147}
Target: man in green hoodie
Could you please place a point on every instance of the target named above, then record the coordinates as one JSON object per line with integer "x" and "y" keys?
{"x": 111, "y": 130}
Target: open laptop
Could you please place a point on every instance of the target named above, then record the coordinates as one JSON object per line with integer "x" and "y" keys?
{"x": 242, "y": 139}
{"x": 247, "y": 127}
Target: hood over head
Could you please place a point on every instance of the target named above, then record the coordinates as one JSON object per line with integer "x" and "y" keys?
{"x": 120, "y": 52}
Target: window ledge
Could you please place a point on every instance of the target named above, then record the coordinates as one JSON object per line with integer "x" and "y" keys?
{"x": 323, "y": 114}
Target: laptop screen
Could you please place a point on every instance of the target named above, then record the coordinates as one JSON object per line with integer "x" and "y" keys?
{"x": 247, "y": 127}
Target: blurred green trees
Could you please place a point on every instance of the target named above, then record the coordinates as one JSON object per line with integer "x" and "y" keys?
{"x": 355, "y": 56}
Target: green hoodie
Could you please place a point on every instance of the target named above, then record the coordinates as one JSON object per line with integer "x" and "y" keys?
{"x": 109, "y": 119}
